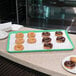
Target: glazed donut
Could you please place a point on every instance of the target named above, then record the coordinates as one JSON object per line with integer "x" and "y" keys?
{"x": 45, "y": 34}
{"x": 31, "y": 34}
{"x": 58, "y": 33}
{"x": 19, "y": 41}
{"x": 19, "y": 35}
{"x": 73, "y": 59}
{"x": 46, "y": 40}
{"x": 18, "y": 47}
{"x": 60, "y": 39}
{"x": 69, "y": 64}
{"x": 48, "y": 46}
{"x": 31, "y": 40}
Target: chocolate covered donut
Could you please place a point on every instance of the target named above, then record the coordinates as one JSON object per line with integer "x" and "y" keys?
{"x": 69, "y": 64}
{"x": 48, "y": 46}
{"x": 46, "y": 39}
{"x": 58, "y": 33}
{"x": 45, "y": 34}
{"x": 60, "y": 39}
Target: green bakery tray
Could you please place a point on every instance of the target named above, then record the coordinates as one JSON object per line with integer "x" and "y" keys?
{"x": 67, "y": 46}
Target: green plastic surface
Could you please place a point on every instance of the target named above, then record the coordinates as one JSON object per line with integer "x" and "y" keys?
{"x": 8, "y": 43}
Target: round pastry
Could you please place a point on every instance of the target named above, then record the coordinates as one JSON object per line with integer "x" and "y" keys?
{"x": 60, "y": 39}
{"x": 45, "y": 34}
{"x": 69, "y": 64}
{"x": 31, "y": 34}
{"x": 31, "y": 40}
{"x": 58, "y": 33}
{"x": 18, "y": 47}
{"x": 19, "y": 35}
{"x": 46, "y": 39}
{"x": 48, "y": 46}
{"x": 73, "y": 59}
{"x": 19, "y": 41}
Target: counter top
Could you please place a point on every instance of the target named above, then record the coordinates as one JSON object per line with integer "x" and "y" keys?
{"x": 47, "y": 62}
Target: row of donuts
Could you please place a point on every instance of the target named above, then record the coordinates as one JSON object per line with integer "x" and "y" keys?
{"x": 45, "y": 35}
{"x": 59, "y": 38}
{"x": 19, "y": 41}
{"x": 46, "y": 40}
{"x": 31, "y": 39}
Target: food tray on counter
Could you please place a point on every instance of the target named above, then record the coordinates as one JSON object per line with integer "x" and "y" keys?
{"x": 38, "y": 46}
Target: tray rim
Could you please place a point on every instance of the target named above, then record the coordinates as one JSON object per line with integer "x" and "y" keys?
{"x": 44, "y": 49}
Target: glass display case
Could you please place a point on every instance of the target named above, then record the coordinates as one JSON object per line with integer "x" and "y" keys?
{"x": 46, "y": 14}
{"x": 50, "y": 13}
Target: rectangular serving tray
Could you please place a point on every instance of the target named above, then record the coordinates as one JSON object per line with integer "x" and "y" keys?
{"x": 59, "y": 48}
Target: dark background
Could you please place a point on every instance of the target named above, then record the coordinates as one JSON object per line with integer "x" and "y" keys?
{"x": 8, "y": 10}
{"x": 15, "y": 11}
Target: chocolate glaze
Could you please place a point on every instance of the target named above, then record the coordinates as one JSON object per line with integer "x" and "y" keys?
{"x": 69, "y": 64}
{"x": 46, "y": 39}
{"x": 62, "y": 39}
{"x": 58, "y": 32}
{"x": 46, "y": 34}
{"x": 48, "y": 45}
